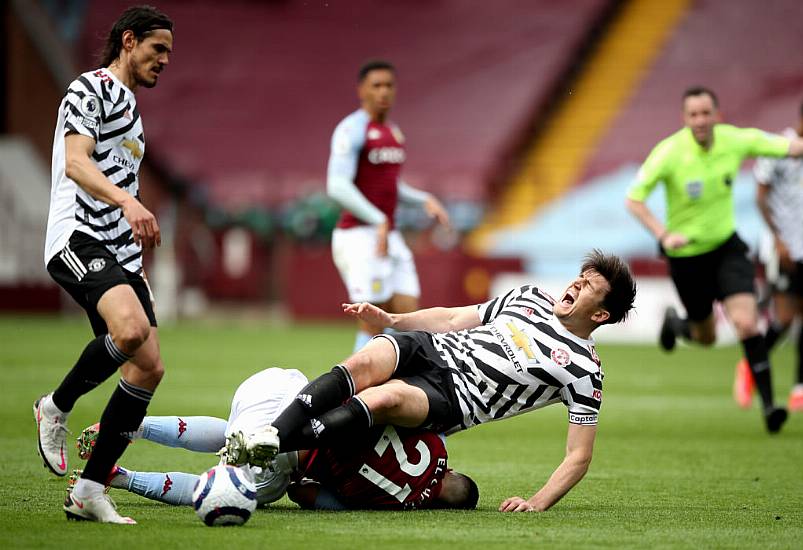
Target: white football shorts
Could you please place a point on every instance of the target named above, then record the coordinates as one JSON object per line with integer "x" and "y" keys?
{"x": 256, "y": 403}
{"x": 369, "y": 278}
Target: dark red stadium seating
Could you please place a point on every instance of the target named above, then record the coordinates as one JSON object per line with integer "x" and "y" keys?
{"x": 255, "y": 89}
{"x": 747, "y": 52}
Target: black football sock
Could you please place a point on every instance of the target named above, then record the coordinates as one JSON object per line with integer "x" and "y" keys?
{"x": 800, "y": 357}
{"x": 756, "y": 353}
{"x": 119, "y": 421}
{"x": 774, "y": 333}
{"x": 681, "y": 328}
{"x": 322, "y": 394}
{"x": 99, "y": 360}
{"x": 346, "y": 423}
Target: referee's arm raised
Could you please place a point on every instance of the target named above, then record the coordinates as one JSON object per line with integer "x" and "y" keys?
{"x": 81, "y": 169}
{"x": 579, "y": 449}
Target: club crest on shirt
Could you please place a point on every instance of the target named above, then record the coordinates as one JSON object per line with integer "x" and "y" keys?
{"x": 560, "y": 356}
{"x": 694, "y": 189}
{"x": 96, "y": 264}
{"x": 373, "y": 133}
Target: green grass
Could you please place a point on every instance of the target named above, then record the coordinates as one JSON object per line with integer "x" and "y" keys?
{"x": 676, "y": 463}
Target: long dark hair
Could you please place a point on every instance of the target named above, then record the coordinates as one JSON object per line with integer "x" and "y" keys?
{"x": 141, "y": 20}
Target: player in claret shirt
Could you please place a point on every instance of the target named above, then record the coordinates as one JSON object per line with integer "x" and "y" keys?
{"x": 390, "y": 469}
{"x": 367, "y": 154}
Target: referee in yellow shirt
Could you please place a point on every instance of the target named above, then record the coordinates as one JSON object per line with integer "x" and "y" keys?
{"x": 707, "y": 260}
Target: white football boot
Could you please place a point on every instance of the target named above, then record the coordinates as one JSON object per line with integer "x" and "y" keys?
{"x": 51, "y": 436}
{"x": 99, "y": 507}
{"x": 262, "y": 446}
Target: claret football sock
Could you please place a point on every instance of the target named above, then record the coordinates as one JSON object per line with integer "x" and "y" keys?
{"x": 100, "y": 359}
{"x": 346, "y": 423}
{"x": 122, "y": 416}
{"x": 322, "y": 394}
{"x": 756, "y": 353}
{"x": 203, "y": 434}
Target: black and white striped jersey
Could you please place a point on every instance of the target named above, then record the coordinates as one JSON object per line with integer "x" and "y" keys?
{"x": 521, "y": 358}
{"x": 785, "y": 199}
{"x": 99, "y": 106}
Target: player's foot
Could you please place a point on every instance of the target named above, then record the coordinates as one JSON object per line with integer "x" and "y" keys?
{"x": 796, "y": 399}
{"x": 234, "y": 452}
{"x": 668, "y": 337}
{"x": 86, "y": 441}
{"x": 774, "y": 418}
{"x": 743, "y": 384}
{"x": 112, "y": 481}
{"x": 99, "y": 507}
{"x": 51, "y": 431}
{"x": 262, "y": 446}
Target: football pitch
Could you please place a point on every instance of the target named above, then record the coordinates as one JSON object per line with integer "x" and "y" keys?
{"x": 676, "y": 464}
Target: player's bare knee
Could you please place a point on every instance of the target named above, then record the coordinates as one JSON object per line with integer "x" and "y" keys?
{"x": 381, "y": 400}
{"x": 130, "y": 336}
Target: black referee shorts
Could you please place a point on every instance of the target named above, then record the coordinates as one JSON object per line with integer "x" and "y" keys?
{"x": 715, "y": 275}
{"x": 420, "y": 365}
{"x": 86, "y": 270}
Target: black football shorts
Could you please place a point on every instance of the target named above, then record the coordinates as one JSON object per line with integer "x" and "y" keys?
{"x": 86, "y": 270}
{"x": 715, "y": 275}
{"x": 420, "y": 365}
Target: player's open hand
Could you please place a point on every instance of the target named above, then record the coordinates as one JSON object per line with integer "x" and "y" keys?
{"x": 435, "y": 209}
{"x": 516, "y": 504}
{"x": 369, "y": 314}
{"x": 144, "y": 227}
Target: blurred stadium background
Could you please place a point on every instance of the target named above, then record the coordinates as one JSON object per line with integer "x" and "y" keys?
{"x": 528, "y": 118}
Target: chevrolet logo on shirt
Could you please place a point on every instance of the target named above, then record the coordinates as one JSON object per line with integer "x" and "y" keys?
{"x": 132, "y": 146}
{"x": 521, "y": 340}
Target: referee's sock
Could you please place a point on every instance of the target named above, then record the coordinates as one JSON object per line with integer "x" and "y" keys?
{"x": 348, "y": 422}
{"x": 319, "y": 396}
{"x": 100, "y": 359}
{"x": 122, "y": 417}
{"x": 755, "y": 350}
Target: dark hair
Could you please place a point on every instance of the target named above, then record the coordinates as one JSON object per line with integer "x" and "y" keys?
{"x": 619, "y": 299}
{"x": 142, "y": 21}
{"x": 694, "y": 91}
{"x": 375, "y": 65}
{"x": 462, "y": 492}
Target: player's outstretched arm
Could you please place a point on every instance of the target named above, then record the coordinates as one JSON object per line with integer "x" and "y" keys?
{"x": 436, "y": 319}
{"x": 579, "y": 448}
{"x": 80, "y": 168}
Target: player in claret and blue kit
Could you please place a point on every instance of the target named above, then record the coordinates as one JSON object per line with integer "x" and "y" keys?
{"x": 367, "y": 154}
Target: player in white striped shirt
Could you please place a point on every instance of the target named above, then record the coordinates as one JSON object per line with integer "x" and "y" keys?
{"x": 780, "y": 200}
{"x": 467, "y": 365}
{"x": 97, "y": 229}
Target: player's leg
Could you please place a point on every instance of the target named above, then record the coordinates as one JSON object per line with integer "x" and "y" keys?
{"x": 372, "y": 365}
{"x": 796, "y": 299}
{"x": 404, "y": 277}
{"x": 420, "y": 393}
{"x": 169, "y": 487}
{"x": 202, "y": 434}
{"x": 129, "y": 401}
{"x": 695, "y": 285}
{"x": 735, "y": 280}
{"x": 365, "y": 275}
